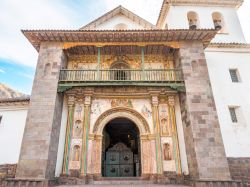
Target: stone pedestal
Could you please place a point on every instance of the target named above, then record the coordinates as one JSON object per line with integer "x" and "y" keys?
{"x": 41, "y": 135}
{"x": 204, "y": 145}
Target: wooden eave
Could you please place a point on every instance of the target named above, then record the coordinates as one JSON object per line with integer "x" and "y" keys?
{"x": 114, "y": 37}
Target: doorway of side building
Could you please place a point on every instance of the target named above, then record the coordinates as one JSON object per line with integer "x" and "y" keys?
{"x": 121, "y": 156}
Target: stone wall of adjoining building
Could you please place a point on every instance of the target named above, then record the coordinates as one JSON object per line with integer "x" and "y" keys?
{"x": 240, "y": 169}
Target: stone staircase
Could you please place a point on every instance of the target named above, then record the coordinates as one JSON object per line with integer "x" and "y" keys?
{"x": 121, "y": 180}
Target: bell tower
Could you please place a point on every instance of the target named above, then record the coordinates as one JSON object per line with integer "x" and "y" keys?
{"x": 210, "y": 14}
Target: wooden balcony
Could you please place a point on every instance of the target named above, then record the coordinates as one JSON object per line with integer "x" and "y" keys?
{"x": 121, "y": 77}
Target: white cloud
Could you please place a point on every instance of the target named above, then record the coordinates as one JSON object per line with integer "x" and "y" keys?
{"x": 2, "y": 71}
{"x": 27, "y": 14}
{"x": 146, "y": 9}
{"x": 57, "y": 14}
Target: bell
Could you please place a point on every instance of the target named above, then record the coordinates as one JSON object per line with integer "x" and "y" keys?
{"x": 217, "y": 26}
{"x": 193, "y": 27}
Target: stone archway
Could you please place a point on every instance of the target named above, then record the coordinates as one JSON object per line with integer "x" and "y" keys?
{"x": 147, "y": 139}
{"x": 121, "y": 112}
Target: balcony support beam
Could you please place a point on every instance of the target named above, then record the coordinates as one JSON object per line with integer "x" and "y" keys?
{"x": 67, "y": 45}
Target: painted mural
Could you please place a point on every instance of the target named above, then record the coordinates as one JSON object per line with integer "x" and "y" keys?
{"x": 99, "y": 106}
{"x": 121, "y": 103}
{"x": 164, "y": 120}
{"x": 167, "y": 154}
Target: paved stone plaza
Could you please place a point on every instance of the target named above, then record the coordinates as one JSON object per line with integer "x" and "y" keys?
{"x": 137, "y": 185}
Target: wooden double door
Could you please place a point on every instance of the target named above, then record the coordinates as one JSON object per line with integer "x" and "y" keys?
{"x": 119, "y": 163}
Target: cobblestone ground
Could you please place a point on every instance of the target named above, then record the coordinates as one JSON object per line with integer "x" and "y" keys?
{"x": 121, "y": 185}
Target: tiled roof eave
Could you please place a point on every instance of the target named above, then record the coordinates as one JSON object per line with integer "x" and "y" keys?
{"x": 36, "y": 37}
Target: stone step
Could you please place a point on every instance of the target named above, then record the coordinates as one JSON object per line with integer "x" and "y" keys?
{"x": 124, "y": 181}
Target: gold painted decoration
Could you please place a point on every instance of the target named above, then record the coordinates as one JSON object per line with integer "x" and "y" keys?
{"x": 121, "y": 103}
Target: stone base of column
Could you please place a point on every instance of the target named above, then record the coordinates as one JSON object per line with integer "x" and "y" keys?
{"x": 16, "y": 182}
{"x": 68, "y": 180}
{"x": 211, "y": 183}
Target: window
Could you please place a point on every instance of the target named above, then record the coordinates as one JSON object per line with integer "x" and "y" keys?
{"x": 234, "y": 75}
{"x": 120, "y": 71}
{"x": 219, "y": 23}
{"x": 193, "y": 20}
{"x": 233, "y": 115}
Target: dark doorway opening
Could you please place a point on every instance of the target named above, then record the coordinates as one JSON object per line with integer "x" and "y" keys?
{"x": 121, "y": 149}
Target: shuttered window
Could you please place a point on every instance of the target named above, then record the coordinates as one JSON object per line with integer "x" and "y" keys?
{"x": 233, "y": 114}
{"x": 234, "y": 75}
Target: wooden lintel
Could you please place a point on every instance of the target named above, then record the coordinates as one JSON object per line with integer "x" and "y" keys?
{"x": 67, "y": 45}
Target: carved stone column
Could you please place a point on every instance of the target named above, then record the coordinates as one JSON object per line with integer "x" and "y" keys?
{"x": 85, "y": 134}
{"x": 71, "y": 100}
{"x": 171, "y": 104}
{"x": 155, "y": 112}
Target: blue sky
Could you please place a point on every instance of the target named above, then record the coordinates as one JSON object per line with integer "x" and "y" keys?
{"x": 18, "y": 58}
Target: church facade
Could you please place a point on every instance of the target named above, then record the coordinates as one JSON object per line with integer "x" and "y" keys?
{"x": 121, "y": 97}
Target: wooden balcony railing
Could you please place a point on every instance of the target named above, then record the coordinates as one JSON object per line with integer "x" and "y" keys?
{"x": 121, "y": 75}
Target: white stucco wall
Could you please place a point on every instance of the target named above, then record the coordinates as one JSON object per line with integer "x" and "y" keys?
{"x": 59, "y": 161}
{"x": 180, "y": 133}
{"x": 11, "y": 132}
{"x": 236, "y": 136}
{"x": 177, "y": 19}
{"x": 112, "y": 22}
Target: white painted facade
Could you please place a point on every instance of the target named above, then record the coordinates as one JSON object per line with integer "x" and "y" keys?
{"x": 227, "y": 94}
{"x": 112, "y": 23}
{"x": 11, "y": 132}
{"x": 177, "y": 19}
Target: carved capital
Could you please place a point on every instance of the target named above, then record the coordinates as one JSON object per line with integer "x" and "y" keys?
{"x": 155, "y": 100}
{"x": 87, "y": 100}
{"x": 171, "y": 100}
{"x": 71, "y": 100}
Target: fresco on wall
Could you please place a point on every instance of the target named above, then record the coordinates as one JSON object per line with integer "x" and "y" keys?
{"x": 75, "y": 153}
{"x": 167, "y": 154}
{"x": 121, "y": 103}
{"x": 164, "y": 120}
{"x": 77, "y": 129}
{"x": 78, "y": 114}
{"x": 146, "y": 112}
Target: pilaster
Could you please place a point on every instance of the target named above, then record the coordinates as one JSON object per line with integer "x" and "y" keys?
{"x": 171, "y": 107}
{"x": 71, "y": 102}
{"x": 155, "y": 115}
{"x": 85, "y": 134}
{"x": 205, "y": 150}
{"x": 41, "y": 135}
